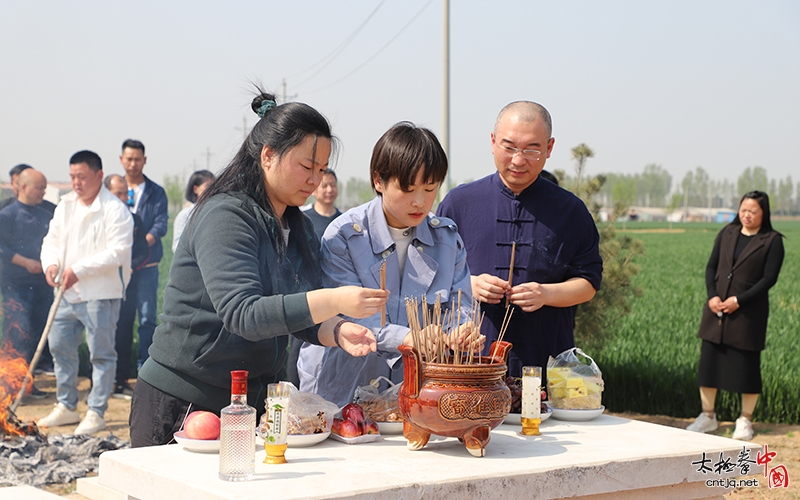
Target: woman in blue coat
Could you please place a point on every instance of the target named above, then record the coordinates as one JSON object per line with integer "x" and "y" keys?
{"x": 424, "y": 255}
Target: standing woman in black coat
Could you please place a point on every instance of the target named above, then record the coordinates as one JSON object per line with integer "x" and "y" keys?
{"x": 743, "y": 266}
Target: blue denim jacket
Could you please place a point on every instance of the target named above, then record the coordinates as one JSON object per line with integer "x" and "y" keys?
{"x": 353, "y": 249}
{"x": 153, "y": 212}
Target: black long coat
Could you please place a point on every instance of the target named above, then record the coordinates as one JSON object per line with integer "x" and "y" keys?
{"x": 746, "y": 328}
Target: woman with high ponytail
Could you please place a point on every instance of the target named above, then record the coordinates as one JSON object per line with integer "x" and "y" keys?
{"x": 246, "y": 276}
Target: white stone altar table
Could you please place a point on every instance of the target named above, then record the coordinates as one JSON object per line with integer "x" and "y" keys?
{"x": 606, "y": 458}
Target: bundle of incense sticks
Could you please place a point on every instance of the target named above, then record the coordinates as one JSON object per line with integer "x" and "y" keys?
{"x": 434, "y": 330}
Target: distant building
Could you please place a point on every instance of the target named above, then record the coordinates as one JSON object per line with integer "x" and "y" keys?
{"x": 725, "y": 216}
{"x": 680, "y": 214}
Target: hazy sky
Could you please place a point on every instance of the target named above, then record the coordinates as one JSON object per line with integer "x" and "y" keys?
{"x": 677, "y": 83}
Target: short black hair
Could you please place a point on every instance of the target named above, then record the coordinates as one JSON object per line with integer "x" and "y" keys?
{"x": 133, "y": 144}
{"x": 762, "y": 199}
{"x": 90, "y": 158}
{"x": 402, "y": 151}
{"x": 197, "y": 179}
{"x": 17, "y": 169}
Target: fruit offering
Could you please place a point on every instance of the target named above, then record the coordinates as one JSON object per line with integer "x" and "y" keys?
{"x": 354, "y": 422}
{"x": 573, "y": 392}
{"x": 201, "y": 425}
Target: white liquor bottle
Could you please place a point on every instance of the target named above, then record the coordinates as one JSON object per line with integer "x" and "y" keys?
{"x": 237, "y": 440}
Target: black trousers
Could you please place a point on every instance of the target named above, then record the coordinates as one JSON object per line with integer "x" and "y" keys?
{"x": 156, "y": 415}
{"x": 124, "y": 335}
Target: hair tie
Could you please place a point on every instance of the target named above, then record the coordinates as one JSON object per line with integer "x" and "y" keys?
{"x": 266, "y": 105}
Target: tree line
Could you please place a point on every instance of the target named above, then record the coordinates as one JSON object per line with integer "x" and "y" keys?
{"x": 653, "y": 187}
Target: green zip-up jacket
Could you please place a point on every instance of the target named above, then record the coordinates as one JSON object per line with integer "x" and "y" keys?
{"x": 231, "y": 302}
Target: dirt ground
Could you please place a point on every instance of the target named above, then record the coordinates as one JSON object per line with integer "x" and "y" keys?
{"x": 783, "y": 439}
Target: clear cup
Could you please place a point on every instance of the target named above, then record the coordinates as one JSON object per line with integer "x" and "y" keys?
{"x": 531, "y": 400}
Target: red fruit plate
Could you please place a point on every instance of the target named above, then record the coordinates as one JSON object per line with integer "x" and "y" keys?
{"x": 197, "y": 445}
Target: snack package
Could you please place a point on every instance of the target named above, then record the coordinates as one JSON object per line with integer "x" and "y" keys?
{"x": 571, "y": 383}
{"x": 379, "y": 406}
{"x": 308, "y": 413}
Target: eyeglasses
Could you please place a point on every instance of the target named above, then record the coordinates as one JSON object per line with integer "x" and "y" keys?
{"x": 131, "y": 199}
{"x": 528, "y": 154}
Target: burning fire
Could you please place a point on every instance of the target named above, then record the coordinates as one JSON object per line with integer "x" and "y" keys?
{"x": 13, "y": 369}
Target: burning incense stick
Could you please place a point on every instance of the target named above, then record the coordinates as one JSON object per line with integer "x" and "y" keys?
{"x": 383, "y": 287}
{"x": 511, "y": 266}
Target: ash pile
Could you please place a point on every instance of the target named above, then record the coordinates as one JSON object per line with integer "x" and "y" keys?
{"x": 36, "y": 461}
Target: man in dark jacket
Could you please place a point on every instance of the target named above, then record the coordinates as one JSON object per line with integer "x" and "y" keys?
{"x": 149, "y": 201}
{"x": 123, "y": 339}
{"x": 26, "y": 295}
{"x": 552, "y": 235}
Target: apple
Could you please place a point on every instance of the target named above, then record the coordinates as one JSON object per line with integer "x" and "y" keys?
{"x": 370, "y": 427}
{"x": 354, "y": 412}
{"x": 190, "y": 416}
{"x": 349, "y": 429}
{"x": 337, "y": 425}
{"x": 202, "y": 425}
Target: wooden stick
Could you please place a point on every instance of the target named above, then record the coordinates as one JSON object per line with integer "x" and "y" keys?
{"x": 511, "y": 266}
{"x": 383, "y": 287}
{"x": 39, "y": 348}
{"x": 503, "y": 327}
{"x": 476, "y": 307}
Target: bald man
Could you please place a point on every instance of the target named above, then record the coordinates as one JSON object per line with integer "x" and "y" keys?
{"x": 13, "y": 176}
{"x": 557, "y": 263}
{"x": 26, "y": 295}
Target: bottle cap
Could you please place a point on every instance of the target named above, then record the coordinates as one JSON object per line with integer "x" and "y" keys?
{"x": 239, "y": 381}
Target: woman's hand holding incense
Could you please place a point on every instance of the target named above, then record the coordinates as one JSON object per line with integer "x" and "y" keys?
{"x": 352, "y": 301}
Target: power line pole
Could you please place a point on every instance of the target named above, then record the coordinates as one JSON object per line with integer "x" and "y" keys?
{"x": 208, "y": 158}
{"x": 284, "y": 96}
{"x": 446, "y": 92}
{"x": 244, "y": 128}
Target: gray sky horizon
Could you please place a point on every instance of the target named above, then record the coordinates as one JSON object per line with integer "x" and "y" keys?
{"x": 680, "y": 84}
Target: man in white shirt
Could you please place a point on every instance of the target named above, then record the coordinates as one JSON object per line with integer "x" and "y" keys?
{"x": 87, "y": 251}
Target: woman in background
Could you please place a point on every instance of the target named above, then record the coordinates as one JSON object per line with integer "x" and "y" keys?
{"x": 743, "y": 266}
{"x": 198, "y": 182}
